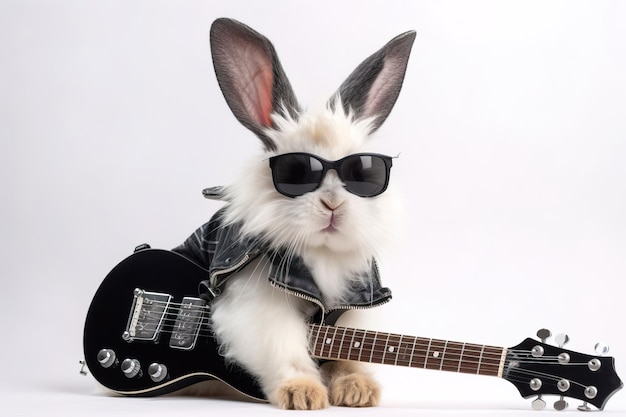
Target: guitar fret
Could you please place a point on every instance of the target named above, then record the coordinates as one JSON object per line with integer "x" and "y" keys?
{"x": 373, "y": 344}
{"x": 340, "y": 353}
{"x": 491, "y": 361}
{"x": 316, "y": 346}
{"x": 385, "y": 349}
{"x": 330, "y": 342}
{"x": 434, "y": 359}
{"x": 470, "y": 364}
{"x": 480, "y": 359}
{"x": 351, "y": 345}
{"x": 420, "y": 352}
{"x": 359, "y": 344}
{"x": 399, "y": 350}
{"x": 323, "y": 342}
{"x": 412, "y": 352}
{"x": 355, "y": 345}
{"x": 427, "y": 353}
{"x": 452, "y": 359}
{"x": 458, "y": 369}
{"x": 443, "y": 355}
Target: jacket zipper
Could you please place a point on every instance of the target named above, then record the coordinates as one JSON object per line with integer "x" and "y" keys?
{"x": 238, "y": 265}
{"x": 362, "y": 307}
{"x": 298, "y": 294}
{"x": 367, "y": 307}
{"x": 321, "y": 306}
{"x": 302, "y": 296}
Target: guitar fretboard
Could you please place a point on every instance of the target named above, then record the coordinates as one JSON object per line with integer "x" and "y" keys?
{"x": 342, "y": 343}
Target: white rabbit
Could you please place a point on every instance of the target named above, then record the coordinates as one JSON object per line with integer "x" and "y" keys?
{"x": 314, "y": 234}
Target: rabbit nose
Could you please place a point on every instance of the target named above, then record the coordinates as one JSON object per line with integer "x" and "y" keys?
{"x": 330, "y": 202}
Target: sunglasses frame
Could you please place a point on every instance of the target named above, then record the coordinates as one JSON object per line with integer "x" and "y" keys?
{"x": 334, "y": 165}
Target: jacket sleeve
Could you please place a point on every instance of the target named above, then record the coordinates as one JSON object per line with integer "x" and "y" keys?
{"x": 201, "y": 245}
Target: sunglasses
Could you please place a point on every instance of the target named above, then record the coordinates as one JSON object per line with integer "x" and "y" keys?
{"x": 363, "y": 174}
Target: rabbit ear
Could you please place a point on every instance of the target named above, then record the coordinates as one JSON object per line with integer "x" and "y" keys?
{"x": 373, "y": 87}
{"x": 250, "y": 76}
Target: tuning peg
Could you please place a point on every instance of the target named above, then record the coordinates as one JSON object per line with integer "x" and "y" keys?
{"x": 560, "y": 404}
{"x": 601, "y": 348}
{"x": 583, "y": 407}
{"x": 543, "y": 334}
{"x": 538, "y": 403}
{"x": 561, "y": 339}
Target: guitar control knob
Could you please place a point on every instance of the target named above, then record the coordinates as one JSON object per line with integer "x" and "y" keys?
{"x": 157, "y": 372}
{"x": 106, "y": 357}
{"x": 131, "y": 368}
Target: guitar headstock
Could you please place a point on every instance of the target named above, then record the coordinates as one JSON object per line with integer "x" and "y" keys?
{"x": 537, "y": 368}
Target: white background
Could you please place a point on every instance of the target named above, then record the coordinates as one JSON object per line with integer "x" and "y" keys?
{"x": 513, "y": 170}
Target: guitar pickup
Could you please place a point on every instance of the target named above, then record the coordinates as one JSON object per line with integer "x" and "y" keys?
{"x": 146, "y": 316}
{"x": 188, "y": 323}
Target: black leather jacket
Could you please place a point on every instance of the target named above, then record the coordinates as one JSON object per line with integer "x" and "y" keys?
{"x": 223, "y": 251}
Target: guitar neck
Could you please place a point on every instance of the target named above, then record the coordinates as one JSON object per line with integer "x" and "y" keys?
{"x": 342, "y": 343}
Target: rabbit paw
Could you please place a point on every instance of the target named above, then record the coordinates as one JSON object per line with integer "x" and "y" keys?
{"x": 301, "y": 394}
{"x": 354, "y": 390}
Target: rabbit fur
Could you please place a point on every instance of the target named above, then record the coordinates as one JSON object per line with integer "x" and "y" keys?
{"x": 337, "y": 234}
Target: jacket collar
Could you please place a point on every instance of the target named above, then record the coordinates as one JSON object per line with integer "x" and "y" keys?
{"x": 234, "y": 251}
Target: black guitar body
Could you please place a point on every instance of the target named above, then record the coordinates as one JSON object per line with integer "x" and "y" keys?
{"x": 156, "y": 271}
{"x": 147, "y": 333}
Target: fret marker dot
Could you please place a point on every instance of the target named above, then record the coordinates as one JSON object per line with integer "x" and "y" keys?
{"x": 391, "y": 349}
{"x": 328, "y": 341}
{"x": 357, "y": 344}
{"x": 436, "y": 354}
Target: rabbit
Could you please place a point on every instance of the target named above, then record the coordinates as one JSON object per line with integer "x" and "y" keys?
{"x": 332, "y": 228}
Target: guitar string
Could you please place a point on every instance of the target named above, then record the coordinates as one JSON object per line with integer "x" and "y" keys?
{"x": 419, "y": 348}
{"x": 205, "y": 321}
{"x": 470, "y": 364}
{"x": 376, "y": 337}
{"x": 530, "y": 372}
{"x": 454, "y": 354}
{"x": 448, "y": 346}
{"x": 166, "y": 321}
{"x": 468, "y": 359}
{"x": 472, "y": 361}
{"x": 168, "y": 326}
{"x": 170, "y": 323}
{"x": 366, "y": 336}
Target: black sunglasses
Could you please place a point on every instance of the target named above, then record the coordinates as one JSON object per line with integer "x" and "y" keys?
{"x": 364, "y": 174}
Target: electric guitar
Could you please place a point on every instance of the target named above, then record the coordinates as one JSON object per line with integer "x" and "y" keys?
{"x": 147, "y": 333}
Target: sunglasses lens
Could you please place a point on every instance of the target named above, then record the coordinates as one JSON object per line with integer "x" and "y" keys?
{"x": 365, "y": 175}
{"x": 296, "y": 174}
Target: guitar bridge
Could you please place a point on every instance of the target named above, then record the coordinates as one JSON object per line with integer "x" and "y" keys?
{"x": 146, "y": 316}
